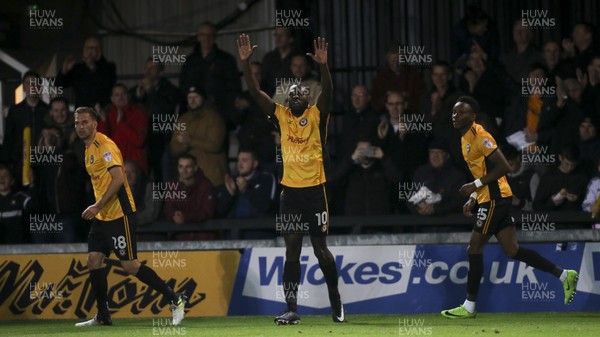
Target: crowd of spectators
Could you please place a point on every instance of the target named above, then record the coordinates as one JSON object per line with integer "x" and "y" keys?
{"x": 396, "y": 150}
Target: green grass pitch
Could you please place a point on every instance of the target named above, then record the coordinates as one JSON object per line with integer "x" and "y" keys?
{"x": 578, "y": 324}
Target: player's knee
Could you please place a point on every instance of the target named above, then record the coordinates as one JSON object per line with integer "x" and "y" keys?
{"x": 474, "y": 249}
{"x": 511, "y": 252}
{"x": 323, "y": 255}
{"x": 95, "y": 260}
{"x": 131, "y": 267}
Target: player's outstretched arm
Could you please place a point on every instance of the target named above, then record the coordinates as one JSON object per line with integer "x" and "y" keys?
{"x": 245, "y": 49}
{"x": 320, "y": 57}
{"x": 500, "y": 168}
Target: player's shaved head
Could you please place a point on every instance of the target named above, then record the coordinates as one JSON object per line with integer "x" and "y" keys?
{"x": 471, "y": 102}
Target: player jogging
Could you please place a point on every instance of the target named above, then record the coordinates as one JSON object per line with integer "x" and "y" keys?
{"x": 491, "y": 192}
{"x": 113, "y": 227}
{"x": 303, "y": 130}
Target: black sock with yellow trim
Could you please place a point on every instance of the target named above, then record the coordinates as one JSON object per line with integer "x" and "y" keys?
{"x": 291, "y": 278}
{"x": 100, "y": 288}
{"x": 474, "y": 276}
{"x": 149, "y": 276}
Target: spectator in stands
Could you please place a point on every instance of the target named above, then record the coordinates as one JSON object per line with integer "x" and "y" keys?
{"x": 14, "y": 207}
{"x": 30, "y": 113}
{"x": 552, "y": 61}
{"x": 203, "y": 137}
{"x": 484, "y": 82}
{"x": 520, "y": 179}
{"x": 562, "y": 187}
{"x": 277, "y": 62}
{"x": 371, "y": 176}
{"x": 213, "y": 69}
{"x": 438, "y": 103}
{"x": 475, "y": 32}
{"x": 92, "y": 78}
{"x": 589, "y": 144}
{"x": 396, "y": 78}
{"x": 301, "y": 73}
{"x": 591, "y": 202}
{"x": 536, "y": 110}
{"x": 576, "y": 104}
{"x": 580, "y": 48}
{"x": 517, "y": 60}
{"x": 407, "y": 146}
{"x": 256, "y": 132}
{"x": 439, "y": 182}
{"x": 408, "y": 149}
{"x": 127, "y": 125}
{"x": 250, "y": 193}
{"x": 160, "y": 99}
{"x": 61, "y": 118}
{"x": 197, "y": 205}
{"x": 594, "y": 80}
{"x": 358, "y": 123}
{"x": 147, "y": 207}
{"x": 62, "y": 189}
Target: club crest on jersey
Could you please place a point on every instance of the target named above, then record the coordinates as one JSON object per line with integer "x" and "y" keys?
{"x": 303, "y": 121}
{"x": 91, "y": 159}
{"x": 468, "y": 148}
{"x": 479, "y": 223}
{"x": 488, "y": 143}
{"x": 107, "y": 156}
{"x": 324, "y": 228}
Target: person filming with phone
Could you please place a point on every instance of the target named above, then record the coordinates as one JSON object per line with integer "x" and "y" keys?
{"x": 370, "y": 176}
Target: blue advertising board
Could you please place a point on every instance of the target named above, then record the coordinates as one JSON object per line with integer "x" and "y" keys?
{"x": 417, "y": 279}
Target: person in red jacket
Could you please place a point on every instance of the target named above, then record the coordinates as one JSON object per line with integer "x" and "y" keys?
{"x": 191, "y": 198}
{"x": 127, "y": 125}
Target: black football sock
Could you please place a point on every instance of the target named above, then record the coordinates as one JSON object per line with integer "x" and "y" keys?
{"x": 331, "y": 278}
{"x": 291, "y": 278}
{"x": 474, "y": 276}
{"x": 149, "y": 276}
{"x": 100, "y": 288}
{"x": 532, "y": 258}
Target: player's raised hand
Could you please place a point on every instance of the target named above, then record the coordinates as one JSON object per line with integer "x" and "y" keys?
{"x": 320, "y": 55}
{"x": 245, "y": 48}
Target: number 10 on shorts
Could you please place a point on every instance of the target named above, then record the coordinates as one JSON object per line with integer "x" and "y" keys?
{"x": 322, "y": 220}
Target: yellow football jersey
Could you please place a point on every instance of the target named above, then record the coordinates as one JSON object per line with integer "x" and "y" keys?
{"x": 477, "y": 145}
{"x": 302, "y": 146}
{"x": 100, "y": 156}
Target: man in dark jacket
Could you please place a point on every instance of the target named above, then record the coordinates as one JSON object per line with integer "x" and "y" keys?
{"x": 60, "y": 194}
{"x": 371, "y": 176}
{"x": 519, "y": 178}
{"x": 213, "y": 69}
{"x": 191, "y": 200}
{"x": 30, "y": 113}
{"x": 13, "y": 207}
{"x": 92, "y": 78}
{"x": 441, "y": 179}
{"x": 160, "y": 99}
{"x": 251, "y": 193}
{"x": 563, "y": 187}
